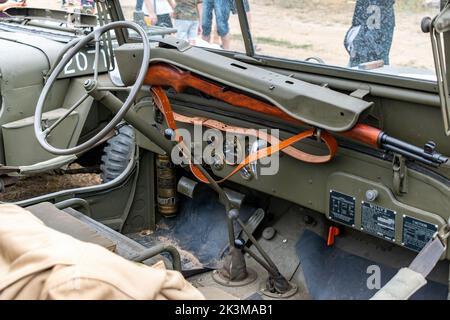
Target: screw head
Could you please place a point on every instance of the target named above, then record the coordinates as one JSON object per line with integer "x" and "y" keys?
{"x": 169, "y": 133}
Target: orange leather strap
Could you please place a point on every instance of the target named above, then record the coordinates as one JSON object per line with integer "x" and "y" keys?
{"x": 291, "y": 151}
{"x": 162, "y": 102}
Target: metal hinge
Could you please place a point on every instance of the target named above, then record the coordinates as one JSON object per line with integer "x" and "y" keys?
{"x": 400, "y": 169}
{"x": 360, "y": 93}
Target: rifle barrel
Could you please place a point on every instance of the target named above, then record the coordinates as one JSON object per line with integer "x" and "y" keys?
{"x": 428, "y": 157}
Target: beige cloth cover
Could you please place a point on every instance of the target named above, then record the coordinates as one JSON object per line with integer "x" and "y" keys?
{"x": 37, "y": 262}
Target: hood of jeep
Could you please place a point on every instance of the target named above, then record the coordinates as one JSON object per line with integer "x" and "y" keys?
{"x": 24, "y": 59}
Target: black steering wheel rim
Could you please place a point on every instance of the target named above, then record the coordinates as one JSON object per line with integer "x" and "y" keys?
{"x": 95, "y": 35}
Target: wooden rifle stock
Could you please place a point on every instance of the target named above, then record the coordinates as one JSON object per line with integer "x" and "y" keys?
{"x": 163, "y": 74}
{"x": 167, "y": 75}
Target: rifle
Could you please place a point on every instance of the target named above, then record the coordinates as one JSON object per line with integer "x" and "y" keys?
{"x": 162, "y": 74}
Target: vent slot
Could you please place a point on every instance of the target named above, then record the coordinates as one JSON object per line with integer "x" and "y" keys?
{"x": 238, "y": 66}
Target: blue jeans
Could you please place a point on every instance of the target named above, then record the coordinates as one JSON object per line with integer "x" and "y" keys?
{"x": 222, "y": 9}
{"x": 139, "y": 5}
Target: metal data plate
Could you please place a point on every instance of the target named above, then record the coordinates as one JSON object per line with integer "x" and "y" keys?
{"x": 417, "y": 233}
{"x": 83, "y": 63}
{"x": 378, "y": 221}
{"x": 342, "y": 208}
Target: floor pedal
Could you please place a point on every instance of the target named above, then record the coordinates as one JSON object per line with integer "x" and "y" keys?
{"x": 252, "y": 223}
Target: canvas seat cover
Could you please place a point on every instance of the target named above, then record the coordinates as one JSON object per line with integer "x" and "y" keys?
{"x": 37, "y": 262}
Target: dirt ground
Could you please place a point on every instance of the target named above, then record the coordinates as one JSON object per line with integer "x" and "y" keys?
{"x": 40, "y": 184}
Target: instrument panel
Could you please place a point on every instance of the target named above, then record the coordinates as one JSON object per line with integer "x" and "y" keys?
{"x": 371, "y": 208}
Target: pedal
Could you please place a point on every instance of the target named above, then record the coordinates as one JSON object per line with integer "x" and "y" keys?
{"x": 252, "y": 223}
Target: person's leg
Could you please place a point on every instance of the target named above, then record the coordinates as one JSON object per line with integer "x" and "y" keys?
{"x": 388, "y": 26}
{"x": 182, "y": 27}
{"x": 139, "y": 5}
{"x": 248, "y": 12}
{"x": 222, "y": 10}
{"x": 246, "y": 6}
{"x": 226, "y": 42}
{"x": 208, "y": 6}
{"x": 214, "y": 35}
{"x": 192, "y": 32}
{"x": 353, "y": 41}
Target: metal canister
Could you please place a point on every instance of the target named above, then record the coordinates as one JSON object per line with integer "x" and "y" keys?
{"x": 166, "y": 186}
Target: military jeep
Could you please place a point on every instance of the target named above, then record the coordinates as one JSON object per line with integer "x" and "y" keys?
{"x": 272, "y": 170}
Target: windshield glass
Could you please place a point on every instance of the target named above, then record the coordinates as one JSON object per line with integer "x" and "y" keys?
{"x": 84, "y": 6}
{"x": 184, "y": 19}
{"x": 372, "y": 35}
{"x": 50, "y": 14}
{"x": 378, "y": 36}
{"x": 382, "y": 36}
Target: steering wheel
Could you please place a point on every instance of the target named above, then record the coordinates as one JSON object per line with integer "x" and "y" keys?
{"x": 91, "y": 86}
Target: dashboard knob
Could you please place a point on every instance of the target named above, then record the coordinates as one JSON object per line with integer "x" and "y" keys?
{"x": 371, "y": 195}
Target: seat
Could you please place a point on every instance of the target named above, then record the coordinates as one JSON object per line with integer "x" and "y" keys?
{"x": 38, "y": 262}
{"x": 63, "y": 222}
{"x": 86, "y": 229}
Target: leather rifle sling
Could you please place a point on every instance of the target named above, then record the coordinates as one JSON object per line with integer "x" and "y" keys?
{"x": 162, "y": 102}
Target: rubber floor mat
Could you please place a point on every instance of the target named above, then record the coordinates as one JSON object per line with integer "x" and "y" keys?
{"x": 331, "y": 273}
{"x": 199, "y": 230}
